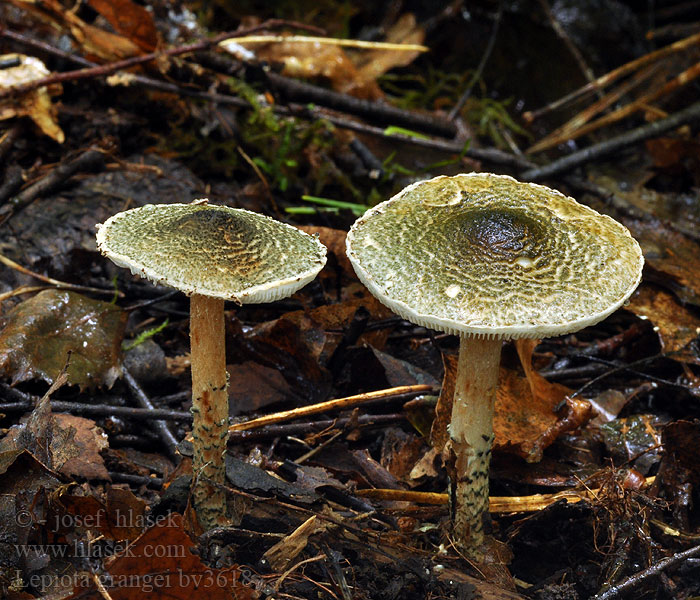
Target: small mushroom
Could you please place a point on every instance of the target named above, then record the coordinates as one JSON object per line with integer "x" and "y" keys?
{"x": 488, "y": 258}
{"x": 212, "y": 254}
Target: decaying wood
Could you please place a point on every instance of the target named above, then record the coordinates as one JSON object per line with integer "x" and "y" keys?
{"x": 395, "y": 393}
{"x": 497, "y": 504}
{"x": 281, "y": 555}
{"x": 610, "y": 146}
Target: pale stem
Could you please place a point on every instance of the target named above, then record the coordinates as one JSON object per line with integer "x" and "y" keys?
{"x": 471, "y": 436}
{"x": 209, "y": 408}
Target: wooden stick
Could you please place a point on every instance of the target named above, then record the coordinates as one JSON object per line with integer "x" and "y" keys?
{"x": 109, "y": 68}
{"x": 497, "y": 504}
{"x": 563, "y": 132}
{"x": 640, "y": 103}
{"x": 608, "y": 78}
{"x": 295, "y": 413}
{"x": 50, "y": 280}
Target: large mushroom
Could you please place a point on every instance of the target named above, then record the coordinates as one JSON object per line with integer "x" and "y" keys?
{"x": 488, "y": 258}
{"x": 212, "y": 254}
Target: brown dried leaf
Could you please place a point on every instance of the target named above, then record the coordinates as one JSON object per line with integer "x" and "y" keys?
{"x": 669, "y": 152}
{"x": 35, "y": 104}
{"x": 22, "y": 473}
{"x": 401, "y": 452}
{"x": 129, "y": 19}
{"x": 42, "y": 435}
{"x": 121, "y": 516}
{"x": 675, "y": 325}
{"x": 287, "y": 347}
{"x": 103, "y": 44}
{"x": 374, "y": 63}
{"x": 325, "y": 324}
{"x": 94, "y": 41}
{"x": 525, "y": 406}
{"x": 41, "y": 332}
{"x": 443, "y": 411}
{"x": 672, "y": 259}
{"x": 311, "y": 59}
{"x": 89, "y": 440}
{"x": 254, "y": 386}
{"x": 161, "y": 561}
{"x": 334, "y": 240}
{"x": 281, "y": 555}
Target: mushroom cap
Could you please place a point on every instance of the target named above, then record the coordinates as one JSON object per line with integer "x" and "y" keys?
{"x": 216, "y": 251}
{"x": 485, "y": 255}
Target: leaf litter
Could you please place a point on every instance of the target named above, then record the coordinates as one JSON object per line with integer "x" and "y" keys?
{"x": 595, "y": 471}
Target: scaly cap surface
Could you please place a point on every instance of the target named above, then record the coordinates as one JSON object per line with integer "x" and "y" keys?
{"x": 485, "y": 255}
{"x": 216, "y": 251}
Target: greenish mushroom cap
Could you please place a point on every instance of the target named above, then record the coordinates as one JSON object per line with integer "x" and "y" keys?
{"x": 485, "y": 255}
{"x": 215, "y": 251}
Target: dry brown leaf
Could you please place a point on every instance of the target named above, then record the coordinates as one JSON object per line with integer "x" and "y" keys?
{"x": 525, "y": 406}
{"x": 401, "y": 452}
{"x": 160, "y": 561}
{"x": 254, "y": 386}
{"x": 103, "y": 44}
{"x": 129, "y": 19}
{"x": 374, "y": 63}
{"x": 443, "y": 411}
{"x": 675, "y": 324}
{"x": 680, "y": 443}
{"x": 354, "y": 74}
{"x": 313, "y": 59}
{"x": 41, "y": 434}
{"x": 89, "y": 439}
{"x": 35, "y": 104}
{"x": 672, "y": 259}
{"x": 94, "y": 41}
{"x": 281, "y": 555}
{"x": 524, "y": 409}
{"x": 334, "y": 240}
{"x": 119, "y": 516}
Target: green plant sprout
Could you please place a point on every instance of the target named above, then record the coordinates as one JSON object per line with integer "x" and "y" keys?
{"x": 326, "y": 205}
{"x": 146, "y": 334}
{"x": 394, "y": 130}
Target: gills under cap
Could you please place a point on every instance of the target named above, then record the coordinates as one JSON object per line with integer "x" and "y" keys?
{"x": 485, "y": 255}
{"x": 216, "y": 251}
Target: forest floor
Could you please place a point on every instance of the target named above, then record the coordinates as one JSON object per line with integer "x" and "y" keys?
{"x": 107, "y": 105}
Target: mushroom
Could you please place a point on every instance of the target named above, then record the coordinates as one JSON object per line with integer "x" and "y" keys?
{"x": 488, "y": 258}
{"x": 212, "y": 254}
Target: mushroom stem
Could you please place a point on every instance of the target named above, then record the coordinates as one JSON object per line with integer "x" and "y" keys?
{"x": 471, "y": 436}
{"x": 209, "y": 408}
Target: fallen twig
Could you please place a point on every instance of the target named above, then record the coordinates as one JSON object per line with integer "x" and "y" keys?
{"x": 160, "y": 426}
{"x": 608, "y": 78}
{"x": 87, "y": 160}
{"x": 490, "y": 155}
{"x": 51, "y": 281}
{"x": 497, "y": 504}
{"x": 113, "y": 67}
{"x": 482, "y": 63}
{"x": 339, "y": 403}
{"x": 643, "y": 102}
{"x": 8, "y": 139}
{"x": 634, "y": 580}
{"x": 299, "y": 91}
{"x": 610, "y": 146}
{"x": 563, "y": 36}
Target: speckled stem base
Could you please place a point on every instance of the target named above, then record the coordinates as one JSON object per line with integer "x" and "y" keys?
{"x": 471, "y": 436}
{"x": 209, "y": 409}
